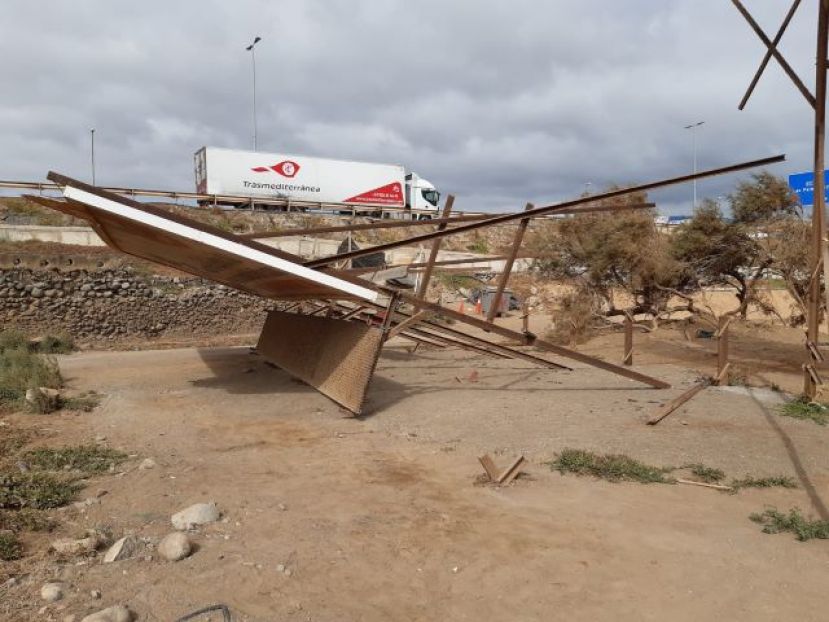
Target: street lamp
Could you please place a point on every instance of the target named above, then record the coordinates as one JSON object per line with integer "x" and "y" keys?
{"x": 693, "y": 127}
{"x": 92, "y": 152}
{"x": 250, "y": 49}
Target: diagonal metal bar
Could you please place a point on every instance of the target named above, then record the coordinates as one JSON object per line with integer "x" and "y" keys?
{"x": 433, "y": 253}
{"x": 495, "y": 303}
{"x": 768, "y": 55}
{"x": 777, "y": 55}
{"x": 547, "y": 209}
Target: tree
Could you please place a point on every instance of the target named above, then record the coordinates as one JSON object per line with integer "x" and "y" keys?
{"x": 765, "y": 198}
{"x": 716, "y": 251}
{"x": 604, "y": 253}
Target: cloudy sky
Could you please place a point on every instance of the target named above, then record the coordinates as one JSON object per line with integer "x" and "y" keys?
{"x": 497, "y": 102}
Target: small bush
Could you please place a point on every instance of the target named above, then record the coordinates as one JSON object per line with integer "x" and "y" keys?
{"x": 612, "y": 467}
{"x": 802, "y": 409}
{"x": 86, "y": 402}
{"x": 10, "y": 548}
{"x": 764, "y": 482}
{"x": 62, "y": 343}
{"x": 804, "y": 529}
{"x": 21, "y": 370}
{"x": 40, "y": 491}
{"x": 11, "y": 339}
{"x": 25, "y": 519}
{"x": 706, "y": 474}
{"x": 85, "y": 458}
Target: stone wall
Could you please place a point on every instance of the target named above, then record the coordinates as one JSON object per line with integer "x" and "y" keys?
{"x": 122, "y": 304}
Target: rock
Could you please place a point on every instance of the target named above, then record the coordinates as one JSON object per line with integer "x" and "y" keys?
{"x": 70, "y": 546}
{"x": 51, "y": 592}
{"x": 123, "y": 549}
{"x": 197, "y": 514}
{"x": 118, "y": 613}
{"x": 95, "y": 594}
{"x": 147, "y": 464}
{"x": 174, "y": 546}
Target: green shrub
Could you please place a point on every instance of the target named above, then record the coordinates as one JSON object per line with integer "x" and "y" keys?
{"x": 62, "y": 343}
{"x": 794, "y": 522}
{"x": 706, "y": 474}
{"x": 612, "y": 467}
{"x": 85, "y": 458}
{"x": 20, "y": 370}
{"x": 40, "y": 491}
{"x": 748, "y": 481}
{"x": 803, "y": 409}
{"x": 10, "y": 548}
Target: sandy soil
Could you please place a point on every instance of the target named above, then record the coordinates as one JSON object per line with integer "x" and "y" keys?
{"x": 384, "y": 518}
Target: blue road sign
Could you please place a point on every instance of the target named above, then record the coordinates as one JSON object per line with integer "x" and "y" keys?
{"x": 804, "y": 186}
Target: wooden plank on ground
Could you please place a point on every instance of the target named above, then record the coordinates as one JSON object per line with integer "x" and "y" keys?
{"x": 678, "y": 401}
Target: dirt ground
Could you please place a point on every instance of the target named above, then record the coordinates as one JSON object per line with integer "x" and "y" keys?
{"x": 383, "y": 517}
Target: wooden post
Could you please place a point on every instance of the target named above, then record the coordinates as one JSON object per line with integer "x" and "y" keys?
{"x": 722, "y": 347}
{"x": 818, "y": 210}
{"x": 430, "y": 264}
{"x": 627, "y": 359}
{"x": 525, "y": 317}
{"x": 502, "y": 282}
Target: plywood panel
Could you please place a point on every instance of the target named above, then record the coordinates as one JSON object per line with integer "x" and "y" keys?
{"x": 335, "y": 357}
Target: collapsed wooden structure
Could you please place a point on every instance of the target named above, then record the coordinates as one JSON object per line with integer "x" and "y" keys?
{"x": 334, "y": 322}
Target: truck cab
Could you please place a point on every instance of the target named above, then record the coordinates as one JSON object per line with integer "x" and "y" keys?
{"x": 421, "y": 195}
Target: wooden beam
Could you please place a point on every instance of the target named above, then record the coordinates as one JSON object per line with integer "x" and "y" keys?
{"x": 433, "y": 254}
{"x": 502, "y": 282}
{"x": 530, "y": 339}
{"x": 548, "y": 209}
{"x": 678, "y": 401}
{"x": 407, "y": 323}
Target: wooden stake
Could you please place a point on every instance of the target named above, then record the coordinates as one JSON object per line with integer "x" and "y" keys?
{"x": 627, "y": 359}
{"x": 722, "y": 348}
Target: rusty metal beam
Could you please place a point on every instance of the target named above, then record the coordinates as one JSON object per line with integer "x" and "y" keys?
{"x": 433, "y": 254}
{"x": 548, "y": 209}
{"x": 775, "y": 52}
{"x": 530, "y": 339}
{"x": 502, "y": 282}
{"x": 768, "y": 55}
{"x": 396, "y": 224}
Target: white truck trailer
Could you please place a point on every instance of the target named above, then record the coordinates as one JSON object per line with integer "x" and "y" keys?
{"x": 229, "y": 174}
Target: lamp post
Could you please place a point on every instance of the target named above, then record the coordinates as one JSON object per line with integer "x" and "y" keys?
{"x": 693, "y": 127}
{"x": 252, "y": 51}
{"x": 92, "y": 152}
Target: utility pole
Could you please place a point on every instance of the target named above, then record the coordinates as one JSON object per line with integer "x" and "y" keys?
{"x": 693, "y": 127}
{"x": 92, "y": 152}
{"x": 252, "y": 50}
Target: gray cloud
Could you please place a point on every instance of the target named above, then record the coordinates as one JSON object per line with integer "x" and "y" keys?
{"x": 499, "y": 103}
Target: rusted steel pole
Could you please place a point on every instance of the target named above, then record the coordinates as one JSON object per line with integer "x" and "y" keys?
{"x": 549, "y": 209}
{"x": 502, "y": 282}
{"x": 819, "y": 208}
{"x": 433, "y": 255}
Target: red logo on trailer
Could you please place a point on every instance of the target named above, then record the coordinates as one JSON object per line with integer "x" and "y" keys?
{"x": 391, "y": 194}
{"x": 286, "y": 168}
